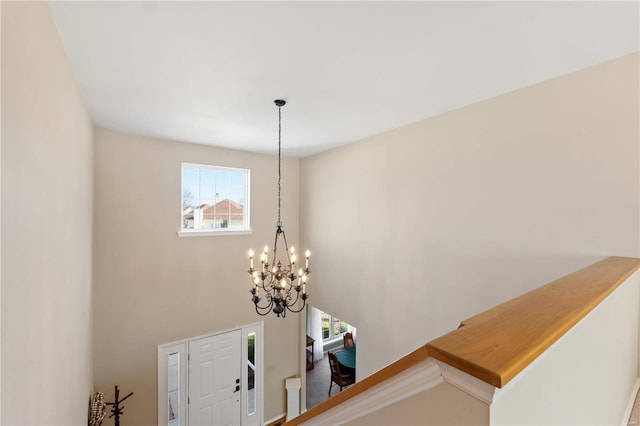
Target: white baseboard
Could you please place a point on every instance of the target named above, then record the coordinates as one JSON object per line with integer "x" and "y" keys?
{"x": 278, "y": 417}
{"x": 632, "y": 399}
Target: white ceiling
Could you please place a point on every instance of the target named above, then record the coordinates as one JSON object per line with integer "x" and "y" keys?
{"x": 207, "y": 72}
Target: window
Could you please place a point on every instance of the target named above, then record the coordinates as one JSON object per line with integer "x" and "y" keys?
{"x": 332, "y": 327}
{"x": 214, "y": 199}
{"x": 173, "y": 389}
{"x": 251, "y": 373}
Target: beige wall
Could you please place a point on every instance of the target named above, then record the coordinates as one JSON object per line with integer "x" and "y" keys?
{"x": 46, "y": 226}
{"x": 587, "y": 377}
{"x": 440, "y": 405}
{"x": 418, "y": 228}
{"x": 153, "y": 287}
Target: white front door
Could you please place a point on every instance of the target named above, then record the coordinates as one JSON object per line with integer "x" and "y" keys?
{"x": 214, "y": 380}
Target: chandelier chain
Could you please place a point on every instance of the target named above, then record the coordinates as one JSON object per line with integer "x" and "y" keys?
{"x": 279, "y": 161}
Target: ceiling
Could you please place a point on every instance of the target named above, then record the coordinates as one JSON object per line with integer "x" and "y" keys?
{"x": 207, "y": 72}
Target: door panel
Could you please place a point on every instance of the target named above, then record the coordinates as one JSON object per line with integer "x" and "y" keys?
{"x": 214, "y": 380}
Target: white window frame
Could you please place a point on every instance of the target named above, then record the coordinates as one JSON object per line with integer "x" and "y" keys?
{"x": 333, "y": 337}
{"x": 218, "y": 231}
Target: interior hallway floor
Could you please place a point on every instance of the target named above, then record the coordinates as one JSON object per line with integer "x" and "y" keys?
{"x": 318, "y": 380}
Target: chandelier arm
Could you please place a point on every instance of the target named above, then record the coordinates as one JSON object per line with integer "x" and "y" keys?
{"x": 269, "y": 300}
{"x": 267, "y": 306}
{"x": 266, "y": 312}
{"x": 261, "y": 284}
{"x": 304, "y": 303}
{"x": 264, "y": 285}
{"x": 288, "y": 299}
{"x": 275, "y": 243}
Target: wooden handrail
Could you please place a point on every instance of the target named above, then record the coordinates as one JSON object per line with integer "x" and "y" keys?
{"x": 380, "y": 376}
{"x": 497, "y": 344}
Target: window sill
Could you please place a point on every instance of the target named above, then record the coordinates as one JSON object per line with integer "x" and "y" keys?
{"x": 332, "y": 343}
{"x": 213, "y": 233}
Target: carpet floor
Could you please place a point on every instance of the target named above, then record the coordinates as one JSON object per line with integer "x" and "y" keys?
{"x": 318, "y": 380}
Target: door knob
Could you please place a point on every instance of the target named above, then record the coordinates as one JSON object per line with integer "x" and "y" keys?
{"x": 237, "y": 389}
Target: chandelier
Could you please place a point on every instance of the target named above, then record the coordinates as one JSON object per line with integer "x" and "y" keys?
{"x": 283, "y": 288}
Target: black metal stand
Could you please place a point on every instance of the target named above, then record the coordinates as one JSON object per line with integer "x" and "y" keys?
{"x": 116, "y": 410}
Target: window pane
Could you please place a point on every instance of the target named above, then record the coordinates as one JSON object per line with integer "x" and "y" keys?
{"x": 237, "y": 178}
{"x": 336, "y": 327}
{"x": 207, "y": 176}
{"x": 174, "y": 389}
{"x": 188, "y": 198}
{"x": 251, "y": 366}
{"x": 223, "y": 177}
{"x": 207, "y": 194}
{"x": 236, "y": 194}
{"x": 190, "y": 175}
{"x": 325, "y": 325}
{"x": 214, "y": 198}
